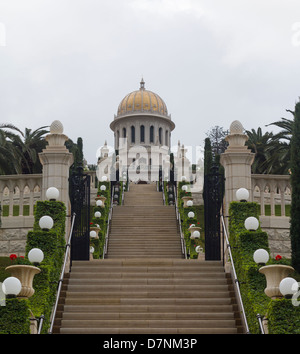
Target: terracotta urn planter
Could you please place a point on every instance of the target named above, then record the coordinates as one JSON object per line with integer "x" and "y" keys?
{"x": 274, "y": 273}
{"x": 25, "y": 273}
{"x": 185, "y": 200}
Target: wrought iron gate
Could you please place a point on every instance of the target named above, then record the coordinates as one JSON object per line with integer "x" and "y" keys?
{"x": 80, "y": 204}
{"x": 213, "y": 203}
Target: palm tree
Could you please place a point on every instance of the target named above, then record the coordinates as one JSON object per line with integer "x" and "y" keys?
{"x": 258, "y": 142}
{"x": 24, "y": 149}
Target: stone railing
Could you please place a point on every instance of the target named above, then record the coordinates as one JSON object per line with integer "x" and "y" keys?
{"x": 271, "y": 190}
{"x": 21, "y": 191}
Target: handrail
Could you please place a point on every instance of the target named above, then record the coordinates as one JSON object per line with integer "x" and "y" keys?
{"x": 163, "y": 193}
{"x": 178, "y": 217}
{"x": 40, "y": 324}
{"x": 261, "y": 327}
{"x": 108, "y": 222}
{"x": 68, "y": 245}
{"x": 236, "y": 282}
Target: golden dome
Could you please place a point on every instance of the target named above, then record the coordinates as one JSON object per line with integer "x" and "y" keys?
{"x": 142, "y": 101}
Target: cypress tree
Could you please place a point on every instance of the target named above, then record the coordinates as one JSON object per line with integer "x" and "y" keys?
{"x": 295, "y": 184}
{"x": 208, "y": 157}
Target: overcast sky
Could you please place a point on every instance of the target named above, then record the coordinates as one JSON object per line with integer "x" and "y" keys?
{"x": 212, "y": 61}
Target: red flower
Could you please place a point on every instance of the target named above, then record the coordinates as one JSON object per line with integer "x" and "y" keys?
{"x": 21, "y": 257}
{"x": 13, "y": 256}
{"x": 278, "y": 257}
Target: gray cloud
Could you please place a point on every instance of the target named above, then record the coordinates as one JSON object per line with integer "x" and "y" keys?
{"x": 211, "y": 61}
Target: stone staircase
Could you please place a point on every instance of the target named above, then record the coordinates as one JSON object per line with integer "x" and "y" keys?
{"x": 143, "y": 226}
{"x": 144, "y": 286}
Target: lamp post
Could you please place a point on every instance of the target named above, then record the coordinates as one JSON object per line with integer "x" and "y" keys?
{"x": 97, "y": 214}
{"x": 52, "y": 193}
{"x": 288, "y": 287}
{"x": 261, "y": 256}
{"x": 11, "y": 287}
{"x": 35, "y": 256}
{"x": 242, "y": 195}
{"x": 46, "y": 223}
{"x": 195, "y": 235}
{"x": 251, "y": 223}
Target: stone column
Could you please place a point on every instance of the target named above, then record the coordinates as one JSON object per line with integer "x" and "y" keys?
{"x": 56, "y": 160}
{"x": 237, "y": 161}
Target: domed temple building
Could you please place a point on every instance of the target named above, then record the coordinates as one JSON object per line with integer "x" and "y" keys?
{"x": 142, "y": 130}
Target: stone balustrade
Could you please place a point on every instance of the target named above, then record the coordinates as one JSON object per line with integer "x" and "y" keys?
{"x": 21, "y": 191}
{"x": 271, "y": 190}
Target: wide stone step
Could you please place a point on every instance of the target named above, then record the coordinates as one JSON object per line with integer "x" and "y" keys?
{"x": 174, "y": 323}
{"x": 146, "y": 301}
{"x": 181, "y": 278}
{"x": 78, "y": 316}
{"x": 186, "y": 308}
{"x": 148, "y": 330}
{"x": 144, "y": 280}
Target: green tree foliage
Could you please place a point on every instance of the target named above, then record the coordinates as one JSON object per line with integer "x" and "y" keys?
{"x": 295, "y": 183}
{"x": 19, "y": 150}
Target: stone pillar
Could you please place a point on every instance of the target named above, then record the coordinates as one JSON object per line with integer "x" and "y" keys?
{"x": 56, "y": 160}
{"x": 237, "y": 161}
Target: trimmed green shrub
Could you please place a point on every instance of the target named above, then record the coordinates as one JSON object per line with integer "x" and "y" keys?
{"x": 14, "y": 317}
{"x": 283, "y": 317}
{"x": 295, "y": 183}
{"x": 243, "y": 244}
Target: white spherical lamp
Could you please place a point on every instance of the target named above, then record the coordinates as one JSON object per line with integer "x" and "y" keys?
{"x": 189, "y": 203}
{"x": 198, "y": 249}
{"x": 183, "y": 178}
{"x": 261, "y": 256}
{"x": 184, "y": 188}
{"x": 251, "y": 223}
{"x": 288, "y": 287}
{"x": 103, "y": 187}
{"x": 104, "y": 179}
{"x": 93, "y": 234}
{"x": 99, "y": 203}
{"x": 195, "y": 234}
{"x": 97, "y": 214}
{"x": 35, "y": 256}
{"x": 191, "y": 214}
{"x": 46, "y": 222}
{"x": 92, "y": 249}
{"x": 52, "y": 193}
{"x": 242, "y": 194}
{"x": 11, "y": 286}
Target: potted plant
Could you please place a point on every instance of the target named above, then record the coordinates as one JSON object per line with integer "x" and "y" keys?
{"x": 25, "y": 273}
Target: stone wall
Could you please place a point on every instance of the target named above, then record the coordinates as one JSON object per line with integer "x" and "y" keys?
{"x": 13, "y": 241}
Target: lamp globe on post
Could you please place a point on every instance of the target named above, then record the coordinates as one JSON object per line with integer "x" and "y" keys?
{"x": 191, "y": 214}
{"x": 93, "y": 234}
{"x": 242, "y": 194}
{"x": 11, "y": 287}
{"x": 52, "y": 193}
{"x": 103, "y": 187}
{"x": 99, "y": 203}
{"x": 35, "y": 256}
{"x": 288, "y": 287}
{"x": 97, "y": 214}
{"x": 251, "y": 223}
{"x": 46, "y": 223}
{"x": 189, "y": 203}
{"x": 195, "y": 235}
{"x": 184, "y": 188}
{"x": 261, "y": 256}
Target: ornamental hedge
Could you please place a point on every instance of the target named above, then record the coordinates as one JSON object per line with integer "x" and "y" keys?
{"x": 283, "y": 317}
{"x": 243, "y": 244}
{"x": 14, "y": 317}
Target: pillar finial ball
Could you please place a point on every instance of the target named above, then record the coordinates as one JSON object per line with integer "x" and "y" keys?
{"x": 56, "y": 127}
{"x": 236, "y": 127}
